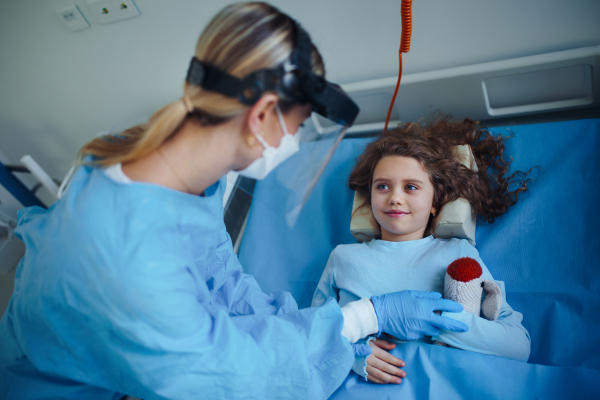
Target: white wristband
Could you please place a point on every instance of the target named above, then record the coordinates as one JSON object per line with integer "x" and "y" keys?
{"x": 360, "y": 320}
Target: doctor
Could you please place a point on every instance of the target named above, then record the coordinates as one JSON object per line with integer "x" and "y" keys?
{"x": 129, "y": 284}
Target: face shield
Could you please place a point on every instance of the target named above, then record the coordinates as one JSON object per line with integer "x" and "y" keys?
{"x": 297, "y": 176}
{"x": 333, "y": 113}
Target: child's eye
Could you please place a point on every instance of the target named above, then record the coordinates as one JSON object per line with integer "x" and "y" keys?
{"x": 411, "y": 187}
{"x": 382, "y": 186}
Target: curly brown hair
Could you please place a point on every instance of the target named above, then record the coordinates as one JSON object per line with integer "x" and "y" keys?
{"x": 487, "y": 189}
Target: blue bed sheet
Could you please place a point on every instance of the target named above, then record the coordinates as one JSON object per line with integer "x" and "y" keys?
{"x": 546, "y": 249}
{"x": 434, "y": 372}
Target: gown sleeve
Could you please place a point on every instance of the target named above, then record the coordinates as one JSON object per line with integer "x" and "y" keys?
{"x": 326, "y": 287}
{"x": 150, "y": 331}
{"x": 504, "y": 337}
{"x": 236, "y": 292}
{"x": 239, "y": 293}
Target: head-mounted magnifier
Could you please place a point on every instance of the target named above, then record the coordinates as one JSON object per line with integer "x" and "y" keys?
{"x": 294, "y": 80}
{"x": 333, "y": 113}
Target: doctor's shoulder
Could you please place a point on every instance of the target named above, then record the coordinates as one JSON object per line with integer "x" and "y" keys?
{"x": 101, "y": 212}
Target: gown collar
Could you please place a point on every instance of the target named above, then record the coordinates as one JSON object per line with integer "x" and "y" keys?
{"x": 404, "y": 245}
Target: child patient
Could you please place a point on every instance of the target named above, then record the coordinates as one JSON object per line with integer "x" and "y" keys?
{"x": 407, "y": 176}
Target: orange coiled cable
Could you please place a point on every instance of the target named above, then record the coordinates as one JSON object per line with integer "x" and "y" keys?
{"x": 405, "y": 10}
{"x": 406, "y": 26}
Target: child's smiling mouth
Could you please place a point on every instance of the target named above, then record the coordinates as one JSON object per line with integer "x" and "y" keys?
{"x": 395, "y": 213}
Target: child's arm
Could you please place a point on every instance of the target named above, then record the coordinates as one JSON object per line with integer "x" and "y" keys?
{"x": 504, "y": 337}
{"x": 326, "y": 287}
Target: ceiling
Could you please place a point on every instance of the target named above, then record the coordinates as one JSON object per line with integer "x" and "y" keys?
{"x": 58, "y": 88}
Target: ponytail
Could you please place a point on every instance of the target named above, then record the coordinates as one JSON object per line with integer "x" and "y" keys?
{"x": 138, "y": 141}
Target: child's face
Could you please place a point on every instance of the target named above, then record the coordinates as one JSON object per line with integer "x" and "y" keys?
{"x": 401, "y": 198}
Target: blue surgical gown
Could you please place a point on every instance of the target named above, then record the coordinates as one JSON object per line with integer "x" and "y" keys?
{"x": 134, "y": 289}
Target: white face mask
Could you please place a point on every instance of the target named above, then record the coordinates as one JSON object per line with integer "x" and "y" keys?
{"x": 272, "y": 156}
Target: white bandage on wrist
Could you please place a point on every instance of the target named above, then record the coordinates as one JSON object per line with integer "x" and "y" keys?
{"x": 360, "y": 320}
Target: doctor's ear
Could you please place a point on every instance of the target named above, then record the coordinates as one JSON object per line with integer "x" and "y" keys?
{"x": 259, "y": 111}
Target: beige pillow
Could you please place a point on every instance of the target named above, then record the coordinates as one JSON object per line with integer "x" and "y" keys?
{"x": 455, "y": 221}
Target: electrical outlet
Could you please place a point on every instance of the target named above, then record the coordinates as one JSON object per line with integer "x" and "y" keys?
{"x": 107, "y": 11}
{"x": 72, "y": 18}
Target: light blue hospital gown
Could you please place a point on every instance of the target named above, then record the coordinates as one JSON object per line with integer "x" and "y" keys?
{"x": 134, "y": 289}
{"x": 377, "y": 267}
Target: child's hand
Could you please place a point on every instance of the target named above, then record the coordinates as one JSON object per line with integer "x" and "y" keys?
{"x": 381, "y": 365}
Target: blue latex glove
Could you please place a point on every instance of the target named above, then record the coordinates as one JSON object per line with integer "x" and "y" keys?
{"x": 361, "y": 349}
{"x": 409, "y": 314}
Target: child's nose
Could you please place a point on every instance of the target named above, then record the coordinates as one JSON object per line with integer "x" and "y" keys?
{"x": 397, "y": 197}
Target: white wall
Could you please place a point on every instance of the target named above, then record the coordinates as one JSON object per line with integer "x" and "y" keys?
{"x": 59, "y": 88}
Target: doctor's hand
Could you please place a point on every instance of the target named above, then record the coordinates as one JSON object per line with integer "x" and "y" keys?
{"x": 382, "y": 367}
{"x": 409, "y": 314}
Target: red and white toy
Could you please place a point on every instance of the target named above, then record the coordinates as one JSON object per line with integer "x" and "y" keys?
{"x": 464, "y": 285}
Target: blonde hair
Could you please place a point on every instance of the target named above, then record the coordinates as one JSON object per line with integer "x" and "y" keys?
{"x": 240, "y": 39}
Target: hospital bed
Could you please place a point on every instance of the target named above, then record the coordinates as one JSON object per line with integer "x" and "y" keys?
{"x": 14, "y": 195}
{"x": 546, "y": 249}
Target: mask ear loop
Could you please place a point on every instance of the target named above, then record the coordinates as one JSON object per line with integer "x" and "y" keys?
{"x": 261, "y": 140}
{"x": 281, "y": 121}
